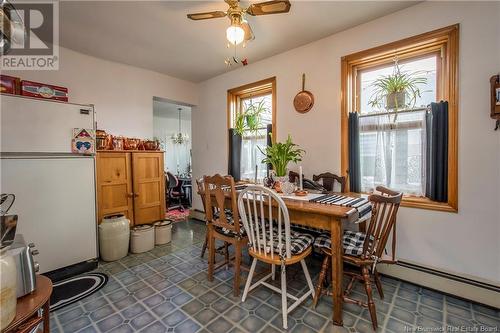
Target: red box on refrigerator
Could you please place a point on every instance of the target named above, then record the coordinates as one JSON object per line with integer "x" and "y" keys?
{"x": 10, "y": 84}
{"x": 43, "y": 90}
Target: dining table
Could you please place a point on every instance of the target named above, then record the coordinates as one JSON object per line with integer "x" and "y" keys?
{"x": 326, "y": 217}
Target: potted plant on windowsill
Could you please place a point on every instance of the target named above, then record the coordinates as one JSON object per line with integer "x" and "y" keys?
{"x": 279, "y": 155}
{"x": 398, "y": 90}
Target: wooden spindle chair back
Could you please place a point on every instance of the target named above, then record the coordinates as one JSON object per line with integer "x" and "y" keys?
{"x": 329, "y": 180}
{"x": 215, "y": 202}
{"x": 382, "y": 222}
{"x": 261, "y": 210}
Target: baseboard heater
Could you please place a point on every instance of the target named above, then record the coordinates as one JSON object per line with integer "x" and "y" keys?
{"x": 450, "y": 276}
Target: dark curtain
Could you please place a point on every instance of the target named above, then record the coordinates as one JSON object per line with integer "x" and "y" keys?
{"x": 354, "y": 157}
{"x": 234, "y": 154}
{"x": 437, "y": 152}
{"x": 269, "y": 130}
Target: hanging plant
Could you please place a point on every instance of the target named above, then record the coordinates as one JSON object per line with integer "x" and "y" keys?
{"x": 253, "y": 115}
{"x": 239, "y": 124}
{"x": 398, "y": 90}
{"x": 250, "y": 119}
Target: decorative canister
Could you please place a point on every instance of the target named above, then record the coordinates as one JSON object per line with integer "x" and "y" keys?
{"x": 118, "y": 143}
{"x": 114, "y": 237}
{"x": 142, "y": 238}
{"x": 150, "y": 145}
{"x": 163, "y": 232}
{"x": 131, "y": 144}
{"x": 8, "y": 288}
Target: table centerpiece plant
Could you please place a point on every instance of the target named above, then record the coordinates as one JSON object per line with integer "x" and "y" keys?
{"x": 279, "y": 155}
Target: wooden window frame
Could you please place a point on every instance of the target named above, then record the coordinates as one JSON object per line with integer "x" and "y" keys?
{"x": 255, "y": 89}
{"x": 445, "y": 41}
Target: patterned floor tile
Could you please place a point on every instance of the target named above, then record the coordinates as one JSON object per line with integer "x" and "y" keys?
{"x": 167, "y": 290}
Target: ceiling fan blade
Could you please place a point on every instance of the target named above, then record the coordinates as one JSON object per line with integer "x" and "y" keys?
{"x": 269, "y": 7}
{"x": 207, "y": 15}
{"x": 248, "y": 31}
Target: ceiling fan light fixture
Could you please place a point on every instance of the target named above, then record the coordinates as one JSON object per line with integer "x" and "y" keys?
{"x": 235, "y": 34}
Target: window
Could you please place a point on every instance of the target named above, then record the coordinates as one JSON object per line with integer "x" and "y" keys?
{"x": 392, "y": 146}
{"x": 241, "y": 100}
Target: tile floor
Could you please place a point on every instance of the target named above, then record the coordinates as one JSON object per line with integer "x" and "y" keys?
{"x": 166, "y": 290}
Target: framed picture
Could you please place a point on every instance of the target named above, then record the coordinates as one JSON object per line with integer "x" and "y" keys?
{"x": 495, "y": 97}
{"x": 83, "y": 141}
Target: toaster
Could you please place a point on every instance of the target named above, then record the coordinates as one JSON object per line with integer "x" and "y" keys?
{"x": 26, "y": 265}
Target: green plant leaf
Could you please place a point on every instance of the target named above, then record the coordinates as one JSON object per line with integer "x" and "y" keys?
{"x": 282, "y": 153}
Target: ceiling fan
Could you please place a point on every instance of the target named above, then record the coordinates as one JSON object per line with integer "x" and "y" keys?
{"x": 240, "y": 30}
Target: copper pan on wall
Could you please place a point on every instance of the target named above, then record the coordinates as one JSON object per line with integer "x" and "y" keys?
{"x": 304, "y": 100}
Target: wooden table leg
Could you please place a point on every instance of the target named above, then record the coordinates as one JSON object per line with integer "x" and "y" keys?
{"x": 337, "y": 270}
{"x": 46, "y": 317}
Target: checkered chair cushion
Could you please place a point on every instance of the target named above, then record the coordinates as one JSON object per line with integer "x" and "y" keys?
{"x": 299, "y": 242}
{"x": 230, "y": 220}
{"x": 352, "y": 242}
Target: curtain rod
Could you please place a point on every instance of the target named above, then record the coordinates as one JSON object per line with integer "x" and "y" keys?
{"x": 392, "y": 112}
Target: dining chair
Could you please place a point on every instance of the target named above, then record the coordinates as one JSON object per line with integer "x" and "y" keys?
{"x": 328, "y": 180}
{"x": 222, "y": 250}
{"x": 293, "y": 176}
{"x": 174, "y": 191}
{"x": 365, "y": 250}
{"x": 222, "y": 224}
{"x": 267, "y": 224}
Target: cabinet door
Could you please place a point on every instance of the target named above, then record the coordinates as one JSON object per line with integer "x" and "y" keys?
{"x": 114, "y": 179}
{"x": 149, "y": 187}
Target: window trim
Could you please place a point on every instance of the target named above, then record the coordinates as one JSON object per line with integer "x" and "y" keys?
{"x": 444, "y": 40}
{"x": 255, "y": 89}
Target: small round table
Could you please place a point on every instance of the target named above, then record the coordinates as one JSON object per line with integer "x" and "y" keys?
{"x": 27, "y": 308}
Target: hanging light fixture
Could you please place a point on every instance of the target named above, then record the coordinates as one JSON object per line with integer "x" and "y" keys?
{"x": 179, "y": 137}
{"x": 235, "y": 33}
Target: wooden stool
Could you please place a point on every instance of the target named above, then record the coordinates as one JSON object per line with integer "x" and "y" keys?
{"x": 27, "y": 317}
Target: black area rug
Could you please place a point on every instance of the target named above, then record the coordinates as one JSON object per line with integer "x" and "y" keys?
{"x": 74, "y": 289}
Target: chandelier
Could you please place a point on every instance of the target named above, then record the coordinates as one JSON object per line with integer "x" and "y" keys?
{"x": 180, "y": 138}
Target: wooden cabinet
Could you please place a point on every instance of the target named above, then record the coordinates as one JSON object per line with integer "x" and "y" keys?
{"x": 131, "y": 183}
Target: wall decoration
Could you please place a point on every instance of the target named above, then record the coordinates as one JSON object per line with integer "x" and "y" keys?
{"x": 495, "y": 99}
{"x": 10, "y": 84}
{"x": 83, "y": 141}
{"x": 304, "y": 100}
{"x": 43, "y": 90}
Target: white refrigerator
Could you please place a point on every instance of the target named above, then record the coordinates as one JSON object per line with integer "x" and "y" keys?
{"x": 54, "y": 188}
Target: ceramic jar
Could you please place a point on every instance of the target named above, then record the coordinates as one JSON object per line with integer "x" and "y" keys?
{"x": 283, "y": 185}
{"x": 8, "y": 281}
{"x": 114, "y": 237}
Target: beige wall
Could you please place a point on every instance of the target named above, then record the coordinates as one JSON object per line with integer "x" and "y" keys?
{"x": 122, "y": 94}
{"x": 464, "y": 243}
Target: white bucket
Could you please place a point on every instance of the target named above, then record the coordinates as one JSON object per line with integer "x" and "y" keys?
{"x": 163, "y": 232}
{"x": 142, "y": 238}
{"x": 114, "y": 234}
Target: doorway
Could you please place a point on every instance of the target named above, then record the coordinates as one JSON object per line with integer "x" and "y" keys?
{"x": 172, "y": 128}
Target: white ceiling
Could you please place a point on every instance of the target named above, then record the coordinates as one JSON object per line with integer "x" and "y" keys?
{"x": 159, "y": 37}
